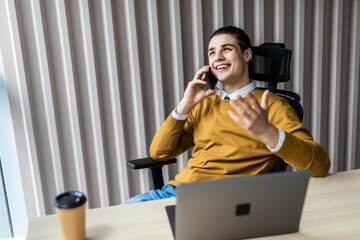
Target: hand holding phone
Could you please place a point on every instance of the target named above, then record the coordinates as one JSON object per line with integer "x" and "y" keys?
{"x": 196, "y": 92}
{"x": 211, "y": 80}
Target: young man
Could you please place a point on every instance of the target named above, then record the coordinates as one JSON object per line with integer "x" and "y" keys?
{"x": 244, "y": 135}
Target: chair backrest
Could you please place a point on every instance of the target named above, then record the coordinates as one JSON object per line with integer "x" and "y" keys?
{"x": 271, "y": 64}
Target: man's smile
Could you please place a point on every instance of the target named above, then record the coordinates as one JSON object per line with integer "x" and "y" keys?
{"x": 222, "y": 67}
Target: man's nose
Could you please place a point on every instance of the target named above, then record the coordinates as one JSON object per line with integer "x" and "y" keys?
{"x": 219, "y": 56}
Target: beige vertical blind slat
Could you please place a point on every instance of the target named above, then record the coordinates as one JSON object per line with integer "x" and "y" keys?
{"x": 259, "y": 28}
{"x": 177, "y": 61}
{"x": 34, "y": 175}
{"x": 279, "y": 21}
{"x": 71, "y": 101}
{"x": 353, "y": 89}
{"x": 176, "y": 50}
{"x": 116, "y": 108}
{"x": 155, "y": 63}
{"x": 94, "y": 102}
{"x": 218, "y": 16}
{"x": 238, "y": 13}
{"x": 156, "y": 72}
{"x": 299, "y": 45}
{"x": 136, "y": 89}
{"x": 48, "y": 95}
{"x": 335, "y": 84}
{"x": 279, "y": 26}
{"x": 317, "y": 70}
{"x": 259, "y": 22}
{"x": 198, "y": 38}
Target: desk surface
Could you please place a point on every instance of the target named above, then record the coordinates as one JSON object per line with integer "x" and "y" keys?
{"x": 331, "y": 211}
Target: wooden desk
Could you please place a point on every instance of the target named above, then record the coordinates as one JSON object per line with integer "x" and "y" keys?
{"x": 331, "y": 211}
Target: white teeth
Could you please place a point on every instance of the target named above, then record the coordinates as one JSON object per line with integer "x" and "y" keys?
{"x": 221, "y": 66}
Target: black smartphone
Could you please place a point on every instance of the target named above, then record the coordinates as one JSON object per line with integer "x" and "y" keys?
{"x": 211, "y": 80}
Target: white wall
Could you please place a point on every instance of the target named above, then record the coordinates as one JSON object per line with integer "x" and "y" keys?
{"x": 90, "y": 81}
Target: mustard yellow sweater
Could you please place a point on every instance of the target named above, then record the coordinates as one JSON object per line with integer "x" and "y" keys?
{"x": 222, "y": 148}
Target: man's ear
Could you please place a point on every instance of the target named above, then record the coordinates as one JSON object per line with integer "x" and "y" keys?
{"x": 248, "y": 55}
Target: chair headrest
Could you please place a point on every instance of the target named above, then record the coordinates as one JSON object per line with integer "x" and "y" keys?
{"x": 271, "y": 63}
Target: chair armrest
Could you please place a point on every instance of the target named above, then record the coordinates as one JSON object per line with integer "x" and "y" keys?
{"x": 155, "y": 168}
{"x": 148, "y": 163}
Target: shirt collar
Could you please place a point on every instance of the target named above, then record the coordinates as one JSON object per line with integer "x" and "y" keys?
{"x": 242, "y": 91}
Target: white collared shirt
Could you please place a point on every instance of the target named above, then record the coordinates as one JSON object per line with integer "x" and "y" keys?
{"x": 242, "y": 92}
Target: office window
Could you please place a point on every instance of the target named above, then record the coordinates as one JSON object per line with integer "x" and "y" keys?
{"x": 5, "y": 226}
{"x": 13, "y": 218}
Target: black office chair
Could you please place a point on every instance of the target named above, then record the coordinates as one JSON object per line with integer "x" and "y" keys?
{"x": 271, "y": 63}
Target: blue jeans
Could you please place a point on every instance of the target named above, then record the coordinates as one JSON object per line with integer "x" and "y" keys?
{"x": 168, "y": 191}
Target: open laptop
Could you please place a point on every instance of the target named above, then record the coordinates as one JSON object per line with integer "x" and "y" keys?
{"x": 241, "y": 207}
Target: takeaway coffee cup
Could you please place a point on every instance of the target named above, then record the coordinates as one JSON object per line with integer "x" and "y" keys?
{"x": 70, "y": 208}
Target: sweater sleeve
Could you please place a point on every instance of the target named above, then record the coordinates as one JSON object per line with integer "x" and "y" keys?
{"x": 304, "y": 154}
{"x": 173, "y": 138}
{"x": 299, "y": 148}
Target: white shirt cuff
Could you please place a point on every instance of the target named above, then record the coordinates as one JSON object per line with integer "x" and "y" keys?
{"x": 179, "y": 117}
{"x": 280, "y": 142}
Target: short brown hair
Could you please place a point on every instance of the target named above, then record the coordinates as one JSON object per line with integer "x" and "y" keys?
{"x": 241, "y": 36}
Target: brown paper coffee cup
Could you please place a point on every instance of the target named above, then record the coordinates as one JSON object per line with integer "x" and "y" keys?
{"x": 70, "y": 208}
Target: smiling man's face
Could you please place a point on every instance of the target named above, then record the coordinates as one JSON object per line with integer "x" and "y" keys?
{"x": 228, "y": 62}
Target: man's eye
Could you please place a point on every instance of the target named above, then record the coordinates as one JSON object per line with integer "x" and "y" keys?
{"x": 211, "y": 54}
{"x": 227, "y": 49}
